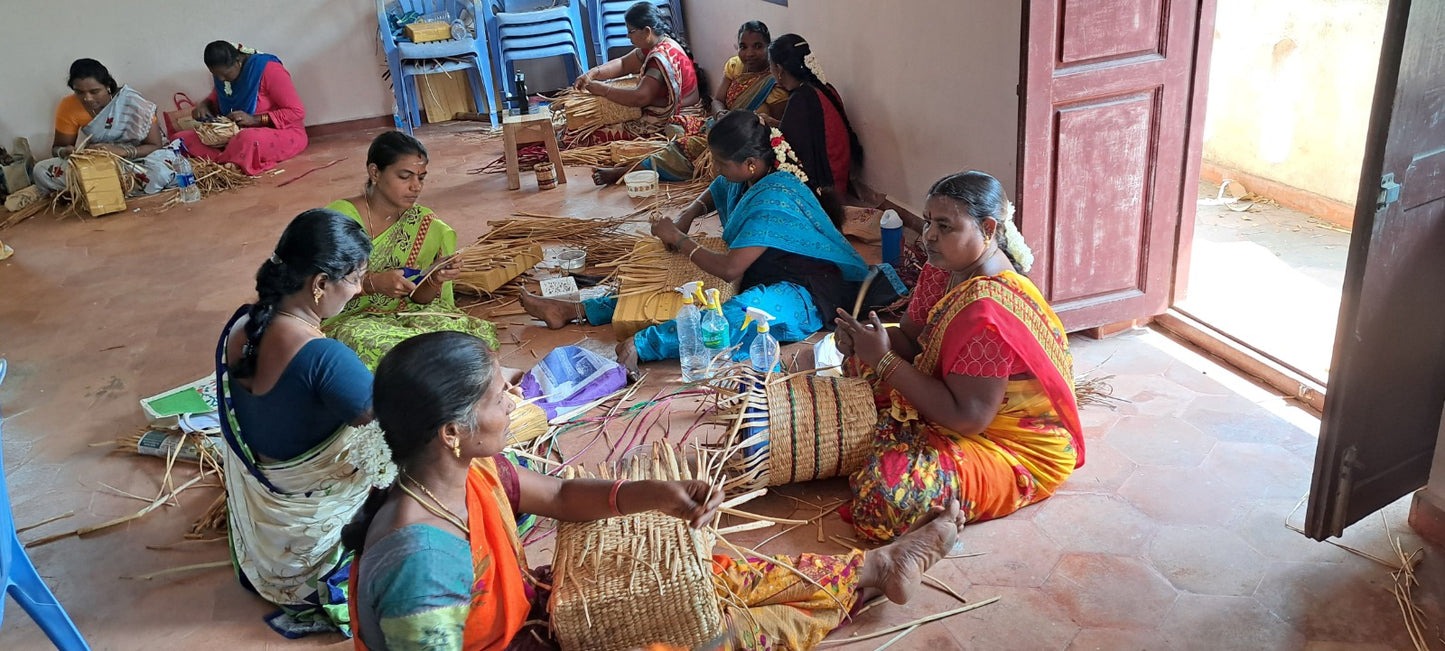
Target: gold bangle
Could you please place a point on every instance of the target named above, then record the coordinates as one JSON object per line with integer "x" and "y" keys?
{"x": 695, "y": 247}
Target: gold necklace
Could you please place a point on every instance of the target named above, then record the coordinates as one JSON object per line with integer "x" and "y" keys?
{"x": 440, "y": 510}
{"x": 369, "y": 227}
{"x": 314, "y": 327}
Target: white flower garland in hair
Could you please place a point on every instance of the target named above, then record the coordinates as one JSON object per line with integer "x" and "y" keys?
{"x": 786, "y": 160}
{"x": 1012, "y": 240}
{"x": 814, "y": 67}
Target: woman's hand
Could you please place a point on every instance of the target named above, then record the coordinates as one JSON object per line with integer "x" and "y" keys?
{"x": 582, "y": 80}
{"x": 244, "y": 119}
{"x": 446, "y": 273}
{"x": 866, "y": 340}
{"x": 389, "y": 283}
{"x": 695, "y": 501}
{"x": 667, "y": 231}
{"x": 598, "y": 88}
{"x": 110, "y": 148}
{"x": 770, "y": 120}
{"x": 843, "y": 341}
{"x": 202, "y": 111}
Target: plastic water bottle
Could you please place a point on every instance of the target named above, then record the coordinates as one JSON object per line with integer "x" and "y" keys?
{"x": 691, "y": 354}
{"x": 763, "y": 353}
{"x": 186, "y": 179}
{"x": 892, "y": 226}
{"x": 714, "y": 330}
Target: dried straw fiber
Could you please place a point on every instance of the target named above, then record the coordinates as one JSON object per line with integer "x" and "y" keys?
{"x": 217, "y": 132}
{"x": 646, "y": 295}
{"x": 632, "y": 581}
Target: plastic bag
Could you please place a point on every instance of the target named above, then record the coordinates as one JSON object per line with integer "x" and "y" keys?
{"x": 570, "y": 377}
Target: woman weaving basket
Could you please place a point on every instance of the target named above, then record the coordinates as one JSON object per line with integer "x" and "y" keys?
{"x": 112, "y": 118}
{"x": 975, "y": 390}
{"x": 669, "y": 81}
{"x": 441, "y": 567}
{"x": 254, "y": 91}
{"x": 398, "y": 299}
{"x": 296, "y": 464}
{"x": 786, "y": 251}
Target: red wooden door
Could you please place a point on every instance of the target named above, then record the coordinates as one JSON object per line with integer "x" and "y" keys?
{"x": 1387, "y": 381}
{"x": 1106, "y": 110}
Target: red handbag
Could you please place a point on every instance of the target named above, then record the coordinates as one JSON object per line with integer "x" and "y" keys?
{"x": 180, "y": 119}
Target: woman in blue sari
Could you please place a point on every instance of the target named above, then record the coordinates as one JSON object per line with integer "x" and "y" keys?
{"x": 784, "y": 251}
{"x": 255, "y": 92}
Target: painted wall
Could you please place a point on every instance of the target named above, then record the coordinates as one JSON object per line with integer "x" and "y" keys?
{"x": 930, "y": 85}
{"x": 330, "y": 47}
{"x": 1290, "y": 88}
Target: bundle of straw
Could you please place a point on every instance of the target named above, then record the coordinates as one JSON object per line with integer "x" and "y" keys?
{"x": 633, "y": 581}
{"x": 620, "y": 152}
{"x": 217, "y": 132}
{"x": 584, "y": 112}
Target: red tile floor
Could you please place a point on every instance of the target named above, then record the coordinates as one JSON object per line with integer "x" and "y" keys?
{"x": 1172, "y": 536}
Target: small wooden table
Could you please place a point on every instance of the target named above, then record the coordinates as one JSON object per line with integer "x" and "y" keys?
{"x": 529, "y": 128}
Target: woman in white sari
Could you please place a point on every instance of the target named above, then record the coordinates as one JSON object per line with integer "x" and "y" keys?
{"x": 101, "y": 114}
{"x": 300, "y": 456}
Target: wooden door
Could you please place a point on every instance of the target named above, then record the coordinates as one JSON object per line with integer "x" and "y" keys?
{"x": 1106, "y": 110}
{"x": 1387, "y": 382}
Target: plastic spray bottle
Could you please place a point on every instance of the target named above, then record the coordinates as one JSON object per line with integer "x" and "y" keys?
{"x": 691, "y": 354}
{"x": 714, "y": 331}
{"x": 763, "y": 354}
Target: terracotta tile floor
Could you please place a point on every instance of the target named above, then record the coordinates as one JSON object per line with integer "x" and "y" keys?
{"x": 1172, "y": 536}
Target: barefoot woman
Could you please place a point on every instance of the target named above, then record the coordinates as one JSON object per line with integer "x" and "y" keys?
{"x": 442, "y": 567}
{"x": 975, "y": 390}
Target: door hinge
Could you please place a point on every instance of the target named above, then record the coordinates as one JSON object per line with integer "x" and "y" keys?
{"x": 1389, "y": 191}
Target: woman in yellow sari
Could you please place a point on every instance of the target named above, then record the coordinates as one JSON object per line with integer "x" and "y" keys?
{"x": 975, "y": 389}
{"x": 747, "y": 84}
{"x": 399, "y": 298}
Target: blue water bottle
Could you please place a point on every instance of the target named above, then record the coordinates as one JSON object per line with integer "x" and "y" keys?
{"x": 892, "y": 226}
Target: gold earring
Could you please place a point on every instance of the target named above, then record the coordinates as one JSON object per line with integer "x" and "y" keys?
{"x": 987, "y": 241}
{"x": 316, "y": 295}
{"x": 457, "y": 449}
{"x": 751, "y": 169}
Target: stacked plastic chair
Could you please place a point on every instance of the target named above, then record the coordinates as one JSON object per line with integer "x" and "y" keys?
{"x": 23, "y": 582}
{"x": 406, "y": 60}
{"x": 609, "y": 30}
{"x": 519, "y": 35}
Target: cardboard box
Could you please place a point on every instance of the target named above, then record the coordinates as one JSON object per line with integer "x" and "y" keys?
{"x": 445, "y": 94}
{"x": 428, "y": 32}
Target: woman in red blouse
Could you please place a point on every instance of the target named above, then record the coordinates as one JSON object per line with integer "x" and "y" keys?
{"x": 255, "y": 91}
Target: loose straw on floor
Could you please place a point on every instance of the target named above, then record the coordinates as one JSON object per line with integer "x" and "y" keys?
{"x": 912, "y": 624}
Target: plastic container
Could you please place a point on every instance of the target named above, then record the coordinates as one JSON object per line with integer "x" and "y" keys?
{"x": 763, "y": 354}
{"x": 572, "y": 260}
{"x": 713, "y": 328}
{"x": 692, "y": 357}
{"x": 186, "y": 179}
{"x": 892, "y": 226}
{"x": 640, "y": 184}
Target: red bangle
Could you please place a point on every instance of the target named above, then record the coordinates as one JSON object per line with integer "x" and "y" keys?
{"x": 612, "y": 498}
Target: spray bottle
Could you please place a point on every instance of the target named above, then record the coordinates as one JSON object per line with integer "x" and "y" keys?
{"x": 763, "y": 354}
{"x": 691, "y": 355}
{"x": 714, "y": 330}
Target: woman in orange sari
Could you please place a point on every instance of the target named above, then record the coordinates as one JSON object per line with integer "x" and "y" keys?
{"x": 975, "y": 388}
{"x": 441, "y": 566}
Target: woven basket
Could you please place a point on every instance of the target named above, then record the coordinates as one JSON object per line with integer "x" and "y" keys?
{"x": 486, "y": 268}
{"x": 633, "y": 581}
{"x": 99, "y": 181}
{"x": 647, "y": 294}
{"x": 799, "y": 428}
{"x": 216, "y": 133}
{"x": 586, "y": 111}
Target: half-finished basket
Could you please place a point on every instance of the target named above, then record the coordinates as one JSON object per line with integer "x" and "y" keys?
{"x": 218, "y": 132}
{"x": 632, "y": 581}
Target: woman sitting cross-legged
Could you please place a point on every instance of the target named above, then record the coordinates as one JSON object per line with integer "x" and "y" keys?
{"x": 255, "y": 91}
{"x": 975, "y": 390}
{"x": 440, "y": 564}
{"x": 397, "y": 302}
{"x": 786, "y": 252}
{"x": 297, "y": 464}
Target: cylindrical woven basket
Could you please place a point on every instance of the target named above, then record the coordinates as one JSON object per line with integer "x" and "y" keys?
{"x": 587, "y": 111}
{"x": 818, "y": 427}
{"x": 633, "y": 581}
{"x": 217, "y": 132}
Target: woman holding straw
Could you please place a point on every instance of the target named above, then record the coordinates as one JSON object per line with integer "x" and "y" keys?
{"x": 440, "y": 565}
{"x": 975, "y": 389}
{"x": 101, "y": 114}
{"x": 783, "y": 248}
{"x": 669, "y": 81}
{"x": 407, "y": 289}
{"x": 255, "y": 91}
{"x": 297, "y": 461}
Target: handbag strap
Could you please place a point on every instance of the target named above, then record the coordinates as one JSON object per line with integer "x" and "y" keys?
{"x": 182, "y": 100}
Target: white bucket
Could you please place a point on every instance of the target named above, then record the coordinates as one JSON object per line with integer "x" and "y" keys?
{"x": 642, "y": 183}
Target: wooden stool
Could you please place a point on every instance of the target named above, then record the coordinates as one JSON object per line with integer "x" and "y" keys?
{"x": 524, "y": 129}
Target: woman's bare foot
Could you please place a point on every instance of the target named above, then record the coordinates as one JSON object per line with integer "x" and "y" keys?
{"x": 607, "y": 175}
{"x": 627, "y": 354}
{"x": 897, "y": 568}
{"x": 555, "y": 313}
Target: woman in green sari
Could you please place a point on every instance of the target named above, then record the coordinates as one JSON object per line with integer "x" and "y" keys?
{"x": 408, "y": 286}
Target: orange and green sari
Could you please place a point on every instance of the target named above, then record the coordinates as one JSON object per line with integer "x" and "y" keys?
{"x": 998, "y": 326}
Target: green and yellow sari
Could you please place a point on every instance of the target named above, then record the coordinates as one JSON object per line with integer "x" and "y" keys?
{"x": 371, "y": 324}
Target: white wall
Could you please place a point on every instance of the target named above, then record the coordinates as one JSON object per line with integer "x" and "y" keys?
{"x": 330, "y": 47}
{"x": 930, "y": 85}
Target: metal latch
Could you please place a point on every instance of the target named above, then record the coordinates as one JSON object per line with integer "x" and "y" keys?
{"x": 1389, "y": 191}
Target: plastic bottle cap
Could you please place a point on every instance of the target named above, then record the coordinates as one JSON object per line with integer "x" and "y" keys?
{"x": 755, "y": 314}
{"x": 890, "y": 219}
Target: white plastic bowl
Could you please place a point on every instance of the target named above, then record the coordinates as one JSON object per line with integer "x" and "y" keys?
{"x": 642, "y": 183}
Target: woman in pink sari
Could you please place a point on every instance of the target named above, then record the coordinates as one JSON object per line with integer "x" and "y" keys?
{"x": 255, "y": 91}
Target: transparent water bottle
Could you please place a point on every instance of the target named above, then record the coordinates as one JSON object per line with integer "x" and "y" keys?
{"x": 186, "y": 179}
{"x": 713, "y": 327}
{"x": 691, "y": 355}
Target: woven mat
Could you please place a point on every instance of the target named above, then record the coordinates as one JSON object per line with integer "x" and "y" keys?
{"x": 818, "y": 427}
{"x": 646, "y": 295}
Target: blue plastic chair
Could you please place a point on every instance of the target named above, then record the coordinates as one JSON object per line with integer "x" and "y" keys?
{"x": 24, "y": 584}
{"x": 609, "y": 27}
{"x": 406, "y": 60}
{"x": 522, "y": 35}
